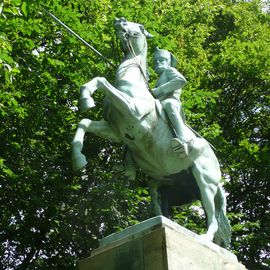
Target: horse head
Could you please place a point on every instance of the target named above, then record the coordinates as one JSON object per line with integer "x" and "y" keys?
{"x": 132, "y": 36}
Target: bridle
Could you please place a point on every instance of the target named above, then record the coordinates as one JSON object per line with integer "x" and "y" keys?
{"x": 131, "y": 50}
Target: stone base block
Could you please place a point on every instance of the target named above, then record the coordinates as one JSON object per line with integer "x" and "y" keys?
{"x": 158, "y": 244}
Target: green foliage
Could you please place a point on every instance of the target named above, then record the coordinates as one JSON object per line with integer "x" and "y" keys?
{"x": 191, "y": 216}
{"x": 51, "y": 217}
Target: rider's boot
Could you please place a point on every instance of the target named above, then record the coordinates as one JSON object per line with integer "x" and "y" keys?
{"x": 180, "y": 146}
{"x": 179, "y": 143}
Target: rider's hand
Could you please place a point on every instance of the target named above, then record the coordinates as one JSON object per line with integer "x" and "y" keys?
{"x": 156, "y": 92}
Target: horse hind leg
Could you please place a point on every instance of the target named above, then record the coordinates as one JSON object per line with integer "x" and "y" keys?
{"x": 207, "y": 197}
{"x": 223, "y": 235}
{"x": 99, "y": 128}
{"x": 208, "y": 190}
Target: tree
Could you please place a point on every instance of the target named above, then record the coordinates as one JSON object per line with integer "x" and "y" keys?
{"x": 51, "y": 216}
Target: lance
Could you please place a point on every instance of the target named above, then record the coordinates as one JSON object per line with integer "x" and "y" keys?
{"x": 80, "y": 38}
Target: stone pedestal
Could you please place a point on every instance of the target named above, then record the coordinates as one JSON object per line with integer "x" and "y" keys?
{"x": 158, "y": 244}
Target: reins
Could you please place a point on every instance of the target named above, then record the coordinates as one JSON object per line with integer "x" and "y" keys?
{"x": 130, "y": 47}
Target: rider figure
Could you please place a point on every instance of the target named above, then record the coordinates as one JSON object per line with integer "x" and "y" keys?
{"x": 168, "y": 90}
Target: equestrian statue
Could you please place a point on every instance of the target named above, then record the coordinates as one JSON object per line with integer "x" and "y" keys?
{"x": 181, "y": 167}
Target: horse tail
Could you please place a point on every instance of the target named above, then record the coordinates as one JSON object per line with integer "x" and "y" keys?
{"x": 223, "y": 235}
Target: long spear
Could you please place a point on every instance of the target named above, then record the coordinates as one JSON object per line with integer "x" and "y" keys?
{"x": 80, "y": 38}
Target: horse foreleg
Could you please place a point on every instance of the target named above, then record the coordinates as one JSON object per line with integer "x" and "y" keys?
{"x": 99, "y": 128}
{"x": 121, "y": 101}
{"x": 86, "y": 101}
{"x": 78, "y": 159}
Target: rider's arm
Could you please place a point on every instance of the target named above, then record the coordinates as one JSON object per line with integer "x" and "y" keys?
{"x": 174, "y": 81}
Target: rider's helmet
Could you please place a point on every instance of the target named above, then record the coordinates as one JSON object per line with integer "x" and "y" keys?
{"x": 166, "y": 54}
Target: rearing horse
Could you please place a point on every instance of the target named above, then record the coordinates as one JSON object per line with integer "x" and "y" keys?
{"x": 132, "y": 116}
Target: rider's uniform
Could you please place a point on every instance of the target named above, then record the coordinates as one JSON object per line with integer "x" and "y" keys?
{"x": 169, "y": 86}
{"x": 170, "y": 83}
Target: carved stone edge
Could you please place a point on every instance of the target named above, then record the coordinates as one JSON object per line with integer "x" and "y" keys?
{"x": 149, "y": 225}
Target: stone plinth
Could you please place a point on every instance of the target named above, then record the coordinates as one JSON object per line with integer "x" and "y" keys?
{"x": 158, "y": 244}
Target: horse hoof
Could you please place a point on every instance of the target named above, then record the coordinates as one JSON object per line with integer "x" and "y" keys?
{"x": 205, "y": 238}
{"x": 79, "y": 162}
{"x": 86, "y": 103}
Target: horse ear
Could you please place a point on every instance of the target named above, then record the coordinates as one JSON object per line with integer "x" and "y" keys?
{"x": 146, "y": 33}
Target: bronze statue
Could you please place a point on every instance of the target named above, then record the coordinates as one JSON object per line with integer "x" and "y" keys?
{"x": 133, "y": 117}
